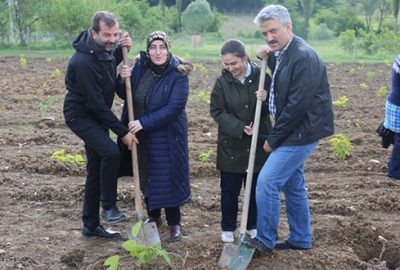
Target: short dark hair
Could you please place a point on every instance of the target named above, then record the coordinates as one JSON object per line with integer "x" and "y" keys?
{"x": 107, "y": 17}
{"x": 235, "y": 47}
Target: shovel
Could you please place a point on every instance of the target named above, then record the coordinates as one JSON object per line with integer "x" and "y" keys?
{"x": 148, "y": 233}
{"x": 238, "y": 257}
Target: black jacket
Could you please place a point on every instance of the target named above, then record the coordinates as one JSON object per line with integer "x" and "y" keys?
{"x": 303, "y": 100}
{"x": 91, "y": 82}
{"x": 233, "y": 105}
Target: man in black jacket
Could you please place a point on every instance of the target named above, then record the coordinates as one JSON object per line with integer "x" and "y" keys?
{"x": 300, "y": 102}
{"x": 91, "y": 81}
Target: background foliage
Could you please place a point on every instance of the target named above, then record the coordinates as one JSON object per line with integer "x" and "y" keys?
{"x": 358, "y": 28}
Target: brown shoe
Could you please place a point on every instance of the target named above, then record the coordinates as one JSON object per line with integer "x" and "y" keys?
{"x": 174, "y": 232}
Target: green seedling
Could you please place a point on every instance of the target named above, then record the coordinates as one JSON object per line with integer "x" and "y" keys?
{"x": 371, "y": 74}
{"x": 72, "y": 159}
{"x": 23, "y": 62}
{"x": 364, "y": 86}
{"x": 352, "y": 71}
{"x": 340, "y": 146}
{"x": 382, "y": 92}
{"x": 341, "y": 102}
{"x": 205, "y": 156}
{"x": 56, "y": 73}
{"x": 137, "y": 250}
{"x": 43, "y": 106}
{"x": 49, "y": 60}
{"x": 204, "y": 96}
{"x": 203, "y": 70}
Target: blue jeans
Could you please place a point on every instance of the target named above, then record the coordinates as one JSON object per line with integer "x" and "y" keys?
{"x": 394, "y": 163}
{"x": 284, "y": 171}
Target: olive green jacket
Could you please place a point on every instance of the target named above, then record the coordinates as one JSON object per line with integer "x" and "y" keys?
{"x": 233, "y": 106}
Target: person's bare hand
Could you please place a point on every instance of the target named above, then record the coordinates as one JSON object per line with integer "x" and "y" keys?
{"x": 129, "y": 139}
{"x": 267, "y": 148}
{"x": 248, "y": 129}
{"x": 125, "y": 72}
{"x": 261, "y": 95}
{"x": 135, "y": 126}
{"x": 125, "y": 40}
{"x": 263, "y": 51}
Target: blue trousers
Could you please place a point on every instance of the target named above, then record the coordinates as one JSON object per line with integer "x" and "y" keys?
{"x": 102, "y": 167}
{"x": 394, "y": 162}
{"x": 284, "y": 171}
{"x": 231, "y": 184}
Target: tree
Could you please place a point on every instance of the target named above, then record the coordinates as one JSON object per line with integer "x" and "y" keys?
{"x": 196, "y": 18}
{"x": 368, "y": 7}
{"x": 307, "y": 8}
{"x": 65, "y": 19}
{"x": 396, "y": 15}
{"x": 25, "y": 16}
{"x": 383, "y": 7}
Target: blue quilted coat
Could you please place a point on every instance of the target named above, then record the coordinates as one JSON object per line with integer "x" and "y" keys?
{"x": 165, "y": 133}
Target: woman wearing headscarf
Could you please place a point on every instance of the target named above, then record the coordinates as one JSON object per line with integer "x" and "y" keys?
{"x": 160, "y": 88}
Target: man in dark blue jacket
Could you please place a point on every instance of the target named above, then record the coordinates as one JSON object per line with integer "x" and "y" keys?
{"x": 91, "y": 82}
{"x": 300, "y": 102}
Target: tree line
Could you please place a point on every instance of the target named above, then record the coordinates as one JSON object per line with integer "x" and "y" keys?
{"x": 26, "y": 22}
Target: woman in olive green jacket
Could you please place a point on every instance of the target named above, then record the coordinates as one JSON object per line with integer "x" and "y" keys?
{"x": 233, "y": 105}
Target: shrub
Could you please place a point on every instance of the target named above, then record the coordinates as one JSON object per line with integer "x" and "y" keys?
{"x": 323, "y": 32}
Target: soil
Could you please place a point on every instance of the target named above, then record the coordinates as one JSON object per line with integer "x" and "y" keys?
{"x": 354, "y": 205}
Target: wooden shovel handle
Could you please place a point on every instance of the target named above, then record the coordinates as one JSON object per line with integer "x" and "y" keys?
{"x": 253, "y": 148}
{"x": 135, "y": 167}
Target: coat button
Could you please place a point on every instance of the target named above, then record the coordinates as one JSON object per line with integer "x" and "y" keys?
{"x": 246, "y": 106}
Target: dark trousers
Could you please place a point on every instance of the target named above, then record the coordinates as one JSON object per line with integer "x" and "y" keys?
{"x": 102, "y": 172}
{"x": 231, "y": 184}
{"x": 173, "y": 215}
{"x": 394, "y": 162}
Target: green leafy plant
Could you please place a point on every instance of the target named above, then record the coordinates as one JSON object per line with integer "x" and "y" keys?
{"x": 23, "y": 62}
{"x": 56, "y": 73}
{"x": 42, "y": 106}
{"x": 364, "y": 86}
{"x": 205, "y": 156}
{"x": 200, "y": 66}
{"x": 371, "y": 74}
{"x": 49, "y": 60}
{"x": 340, "y": 146}
{"x": 204, "y": 96}
{"x": 139, "y": 251}
{"x": 72, "y": 159}
{"x": 352, "y": 71}
{"x": 341, "y": 102}
{"x": 382, "y": 92}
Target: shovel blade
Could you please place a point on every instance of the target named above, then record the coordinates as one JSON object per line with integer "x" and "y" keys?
{"x": 147, "y": 235}
{"x": 242, "y": 258}
{"x": 228, "y": 252}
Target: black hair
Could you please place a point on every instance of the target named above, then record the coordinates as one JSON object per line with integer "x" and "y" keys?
{"x": 107, "y": 17}
{"x": 235, "y": 47}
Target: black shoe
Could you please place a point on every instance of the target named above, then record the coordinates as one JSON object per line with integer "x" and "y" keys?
{"x": 100, "y": 232}
{"x": 286, "y": 245}
{"x": 174, "y": 233}
{"x": 112, "y": 215}
{"x": 256, "y": 243}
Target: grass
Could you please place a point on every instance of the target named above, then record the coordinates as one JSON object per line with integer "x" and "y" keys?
{"x": 210, "y": 47}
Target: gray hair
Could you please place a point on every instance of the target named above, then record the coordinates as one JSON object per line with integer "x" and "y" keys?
{"x": 273, "y": 12}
